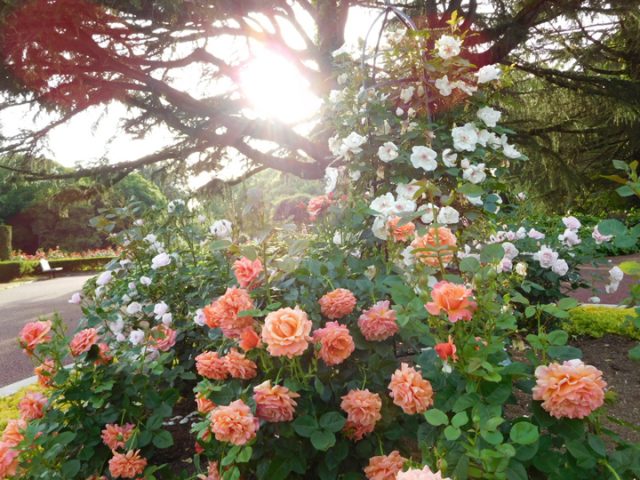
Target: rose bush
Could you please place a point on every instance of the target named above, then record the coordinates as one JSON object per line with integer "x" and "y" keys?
{"x": 382, "y": 345}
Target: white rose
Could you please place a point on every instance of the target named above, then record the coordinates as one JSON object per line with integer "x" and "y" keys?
{"x": 353, "y": 142}
{"x": 404, "y": 205}
{"x": 465, "y": 137}
{"x": 475, "y": 173}
{"x": 569, "y": 238}
{"x": 330, "y": 179}
{"x": 146, "y": 281}
{"x": 355, "y": 175}
{"x": 510, "y": 151}
{"x": 510, "y": 250}
{"x": 406, "y": 94}
{"x": 379, "y": 228}
{"x": 159, "y": 309}
{"x": 199, "y": 318}
{"x": 535, "y": 234}
{"x": 408, "y": 258}
{"x": 76, "y": 298}
{"x": 449, "y": 158}
{"x": 136, "y": 337}
{"x": 133, "y": 308}
{"x": 104, "y": 278}
{"x": 444, "y": 86}
{"x": 399, "y": 112}
{"x": 388, "y": 152}
{"x": 384, "y": 204}
{"x": 505, "y": 265}
{"x": 337, "y": 238}
{"x": 334, "y": 145}
{"x": 428, "y": 215}
{"x": 448, "y": 215}
{"x": 166, "y": 319}
{"x": 521, "y": 269}
{"x": 465, "y": 87}
{"x": 598, "y": 237}
{"x": 489, "y": 116}
{"x": 407, "y": 190}
{"x": 448, "y": 46}
{"x": 160, "y": 260}
{"x": 545, "y": 257}
{"x": 560, "y": 267}
{"x": 488, "y": 73}
{"x": 117, "y": 325}
{"x": 221, "y": 229}
{"x": 151, "y": 238}
{"x": 424, "y": 157}
{"x": 572, "y": 223}
{"x": 616, "y": 274}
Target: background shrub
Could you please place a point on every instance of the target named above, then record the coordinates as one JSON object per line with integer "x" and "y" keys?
{"x": 597, "y": 321}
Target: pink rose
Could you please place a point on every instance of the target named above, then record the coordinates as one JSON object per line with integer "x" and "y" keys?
{"x": 286, "y": 332}
{"x": 379, "y": 322}
{"x": 336, "y": 344}
{"x": 233, "y": 423}
{"x": 410, "y": 391}
{"x": 453, "y": 299}
{"x": 274, "y": 403}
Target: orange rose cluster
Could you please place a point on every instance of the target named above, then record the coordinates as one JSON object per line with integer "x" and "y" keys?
{"x": 223, "y": 313}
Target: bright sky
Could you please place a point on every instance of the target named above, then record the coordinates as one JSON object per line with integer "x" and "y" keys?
{"x": 274, "y": 87}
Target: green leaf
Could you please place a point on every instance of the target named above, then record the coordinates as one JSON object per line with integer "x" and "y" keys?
{"x": 460, "y": 419}
{"x": 65, "y": 438}
{"x": 323, "y": 440}
{"x": 620, "y": 165}
{"x": 452, "y": 433}
{"x": 630, "y": 268}
{"x": 436, "y": 417}
{"x": 332, "y": 421}
{"x": 305, "y": 426}
{"x": 564, "y": 353}
{"x": 558, "y": 337}
{"x": 163, "y": 439}
{"x": 567, "y": 303}
{"x": 469, "y": 265}
{"x": 70, "y": 469}
{"x": 524, "y": 433}
{"x": 244, "y": 455}
{"x": 494, "y": 252}
{"x": 625, "y": 191}
{"x": 611, "y": 227}
{"x": 634, "y": 353}
{"x": 471, "y": 189}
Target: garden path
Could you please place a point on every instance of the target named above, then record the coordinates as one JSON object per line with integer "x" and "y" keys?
{"x": 25, "y": 303}
{"x": 600, "y": 277}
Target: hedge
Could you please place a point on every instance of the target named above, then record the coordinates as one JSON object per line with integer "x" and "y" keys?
{"x": 15, "y": 269}
{"x": 597, "y": 321}
{"x": 5, "y": 242}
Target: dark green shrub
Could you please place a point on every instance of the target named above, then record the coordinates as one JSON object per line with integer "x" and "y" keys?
{"x": 9, "y": 271}
{"x": 5, "y": 242}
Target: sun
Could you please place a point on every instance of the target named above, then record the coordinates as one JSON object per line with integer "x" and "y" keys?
{"x": 276, "y": 89}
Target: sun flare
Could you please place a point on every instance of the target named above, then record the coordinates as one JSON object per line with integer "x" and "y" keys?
{"x": 276, "y": 89}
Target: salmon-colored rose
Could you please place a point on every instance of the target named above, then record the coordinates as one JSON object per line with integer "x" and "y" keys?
{"x": 35, "y": 333}
{"x": 379, "y": 322}
{"x": 32, "y": 406}
{"x": 385, "y": 467}
{"x": 116, "y": 436}
{"x": 274, "y": 403}
{"x": 317, "y": 205}
{"x": 83, "y": 341}
{"x": 400, "y": 233}
{"x": 162, "y": 338}
{"x": 570, "y": 389}
{"x": 249, "y": 339}
{"x": 45, "y": 373}
{"x": 452, "y": 298}
{"x": 363, "y": 412}
{"x": 103, "y": 354}
{"x": 8, "y": 460}
{"x": 211, "y": 365}
{"x": 233, "y": 423}
{"x": 421, "y": 474}
{"x": 286, "y": 332}
{"x": 12, "y": 434}
{"x": 435, "y": 243}
{"x": 223, "y": 313}
{"x": 410, "y": 391}
{"x": 213, "y": 472}
{"x": 337, "y": 304}
{"x": 336, "y": 343}
{"x": 203, "y": 404}
{"x": 446, "y": 350}
{"x": 247, "y": 272}
{"x": 239, "y": 366}
{"x": 127, "y": 465}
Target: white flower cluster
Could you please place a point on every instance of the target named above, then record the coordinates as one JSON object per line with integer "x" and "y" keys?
{"x": 548, "y": 258}
{"x": 221, "y": 229}
{"x": 570, "y": 236}
{"x": 351, "y": 144}
{"x": 615, "y": 277}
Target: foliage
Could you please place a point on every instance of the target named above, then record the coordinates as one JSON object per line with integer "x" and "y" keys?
{"x": 9, "y": 404}
{"x": 597, "y": 321}
{"x": 5, "y": 242}
{"x": 412, "y": 217}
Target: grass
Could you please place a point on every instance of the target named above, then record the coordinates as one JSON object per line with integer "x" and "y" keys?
{"x": 596, "y": 321}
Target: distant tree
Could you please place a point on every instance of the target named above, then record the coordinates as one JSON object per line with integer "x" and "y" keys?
{"x": 66, "y": 56}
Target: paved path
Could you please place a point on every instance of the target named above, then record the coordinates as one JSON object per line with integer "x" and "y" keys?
{"x": 25, "y": 303}
{"x": 599, "y": 277}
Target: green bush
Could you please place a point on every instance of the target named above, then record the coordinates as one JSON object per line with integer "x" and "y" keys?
{"x": 597, "y": 321}
{"x": 5, "y": 242}
{"x": 9, "y": 271}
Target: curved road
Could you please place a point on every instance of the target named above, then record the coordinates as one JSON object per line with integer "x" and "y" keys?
{"x": 26, "y": 303}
